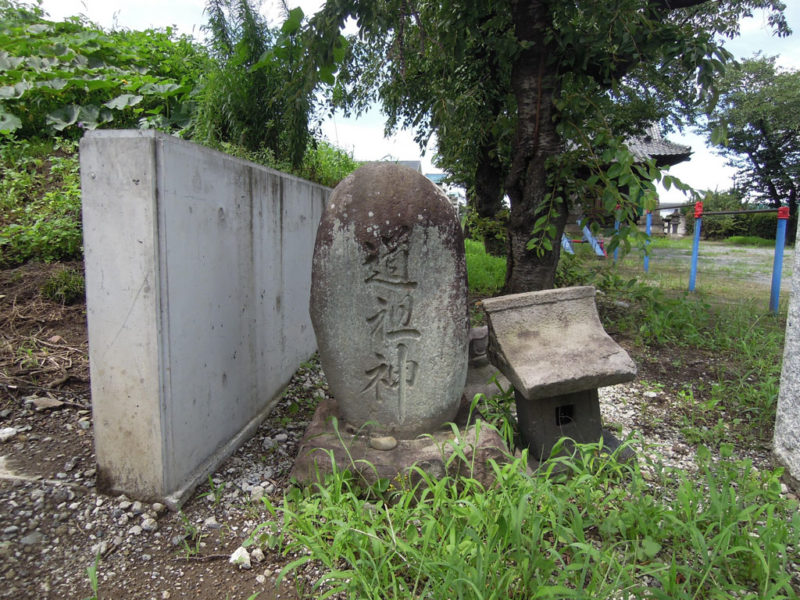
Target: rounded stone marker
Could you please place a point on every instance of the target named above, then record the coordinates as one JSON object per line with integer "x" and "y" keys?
{"x": 389, "y": 301}
{"x": 383, "y": 442}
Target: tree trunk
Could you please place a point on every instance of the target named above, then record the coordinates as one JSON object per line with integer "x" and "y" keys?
{"x": 488, "y": 198}
{"x": 536, "y": 140}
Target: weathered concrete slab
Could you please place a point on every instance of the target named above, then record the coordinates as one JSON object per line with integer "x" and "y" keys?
{"x": 198, "y": 273}
{"x": 552, "y": 343}
{"x": 389, "y": 301}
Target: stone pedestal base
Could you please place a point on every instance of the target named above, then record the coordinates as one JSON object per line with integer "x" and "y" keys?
{"x": 358, "y": 453}
{"x": 542, "y": 422}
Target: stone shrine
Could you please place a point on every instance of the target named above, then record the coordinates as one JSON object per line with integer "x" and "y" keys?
{"x": 553, "y": 349}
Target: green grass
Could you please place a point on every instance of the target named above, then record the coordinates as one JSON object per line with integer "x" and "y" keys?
{"x": 66, "y": 286}
{"x": 486, "y": 273}
{"x": 582, "y": 526}
{"x": 726, "y": 273}
{"x": 745, "y": 340}
{"x": 671, "y": 242}
{"x": 750, "y": 240}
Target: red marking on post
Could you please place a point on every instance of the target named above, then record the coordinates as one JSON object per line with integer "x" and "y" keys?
{"x": 783, "y": 213}
{"x": 698, "y": 210}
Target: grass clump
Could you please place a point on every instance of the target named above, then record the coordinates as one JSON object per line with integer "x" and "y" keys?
{"x": 486, "y": 274}
{"x": 747, "y": 344}
{"x": 750, "y": 240}
{"x": 659, "y": 241}
{"x": 65, "y": 286}
{"x": 584, "y": 525}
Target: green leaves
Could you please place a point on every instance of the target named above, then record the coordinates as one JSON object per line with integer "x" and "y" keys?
{"x": 10, "y": 92}
{"x": 719, "y": 135}
{"x": 41, "y": 202}
{"x": 123, "y": 101}
{"x": 64, "y": 117}
{"x": 86, "y": 117}
{"x": 756, "y": 126}
{"x": 293, "y": 21}
{"x": 8, "y": 122}
{"x": 584, "y": 524}
{"x": 68, "y": 76}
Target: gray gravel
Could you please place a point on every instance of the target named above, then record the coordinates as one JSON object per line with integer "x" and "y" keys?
{"x": 51, "y": 529}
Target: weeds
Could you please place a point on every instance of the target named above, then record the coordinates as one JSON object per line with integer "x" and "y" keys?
{"x": 485, "y": 273}
{"x": 215, "y": 491}
{"x": 91, "y": 575}
{"x": 192, "y": 538}
{"x": 582, "y": 526}
{"x": 40, "y": 214}
{"x": 497, "y": 411}
{"x": 750, "y": 240}
{"x": 66, "y": 286}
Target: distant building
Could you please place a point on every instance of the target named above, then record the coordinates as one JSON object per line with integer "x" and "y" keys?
{"x": 666, "y": 154}
{"x": 411, "y": 164}
{"x": 453, "y": 193}
{"x": 653, "y": 145}
{"x": 650, "y": 144}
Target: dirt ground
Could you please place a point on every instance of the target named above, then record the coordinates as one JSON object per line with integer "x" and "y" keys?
{"x": 53, "y": 523}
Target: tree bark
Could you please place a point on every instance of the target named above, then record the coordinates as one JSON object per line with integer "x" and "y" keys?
{"x": 536, "y": 140}
{"x": 488, "y": 198}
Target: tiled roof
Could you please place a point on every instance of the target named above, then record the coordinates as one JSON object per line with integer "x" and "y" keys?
{"x": 653, "y": 145}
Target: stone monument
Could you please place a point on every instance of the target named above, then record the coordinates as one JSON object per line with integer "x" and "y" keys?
{"x": 389, "y": 309}
{"x": 389, "y": 301}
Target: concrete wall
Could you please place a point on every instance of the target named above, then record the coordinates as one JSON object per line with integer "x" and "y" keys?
{"x": 198, "y": 271}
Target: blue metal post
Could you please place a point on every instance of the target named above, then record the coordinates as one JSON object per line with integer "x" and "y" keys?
{"x": 698, "y": 225}
{"x": 649, "y": 221}
{"x": 777, "y": 264}
{"x": 616, "y": 250}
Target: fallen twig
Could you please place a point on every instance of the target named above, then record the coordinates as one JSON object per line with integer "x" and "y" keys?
{"x": 203, "y": 558}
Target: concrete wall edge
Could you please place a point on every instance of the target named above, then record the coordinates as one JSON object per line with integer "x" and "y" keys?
{"x": 174, "y": 500}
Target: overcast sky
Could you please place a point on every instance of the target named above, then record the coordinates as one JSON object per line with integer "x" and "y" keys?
{"x": 364, "y": 136}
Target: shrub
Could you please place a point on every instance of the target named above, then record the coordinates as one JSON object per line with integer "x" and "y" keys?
{"x": 40, "y": 211}
{"x": 254, "y": 95}
{"x": 750, "y": 240}
{"x": 584, "y": 525}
